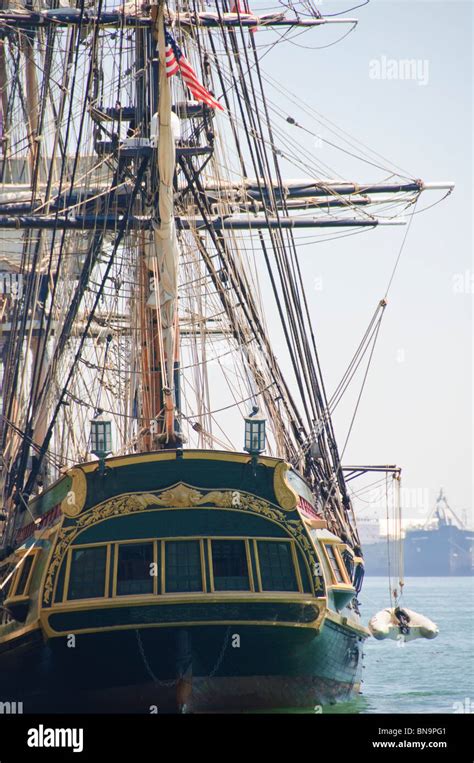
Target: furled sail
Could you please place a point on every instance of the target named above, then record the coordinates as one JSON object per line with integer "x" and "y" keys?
{"x": 166, "y": 243}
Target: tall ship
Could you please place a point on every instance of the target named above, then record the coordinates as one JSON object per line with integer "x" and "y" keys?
{"x": 441, "y": 547}
{"x": 177, "y": 530}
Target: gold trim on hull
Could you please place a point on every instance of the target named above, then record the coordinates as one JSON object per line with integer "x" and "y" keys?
{"x": 75, "y": 498}
{"x": 16, "y": 634}
{"x": 285, "y": 495}
{"x": 347, "y": 622}
{"x": 317, "y": 624}
{"x": 183, "y": 496}
{"x": 170, "y": 455}
{"x": 179, "y": 624}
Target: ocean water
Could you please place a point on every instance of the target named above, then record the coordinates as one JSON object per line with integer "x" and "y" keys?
{"x": 422, "y": 676}
{"x": 425, "y": 675}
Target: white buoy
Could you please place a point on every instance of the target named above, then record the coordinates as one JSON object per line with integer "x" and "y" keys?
{"x": 396, "y": 621}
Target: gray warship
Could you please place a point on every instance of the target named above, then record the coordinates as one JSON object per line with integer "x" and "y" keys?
{"x": 442, "y": 547}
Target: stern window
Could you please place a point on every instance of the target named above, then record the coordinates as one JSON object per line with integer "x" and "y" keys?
{"x": 87, "y": 577}
{"x": 23, "y": 575}
{"x": 7, "y": 586}
{"x": 334, "y": 563}
{"x": 183, "y": 566}
{"x": 134, "y": 569}
{"x": 229, "y": 565}
{"x": 277, "y": 570}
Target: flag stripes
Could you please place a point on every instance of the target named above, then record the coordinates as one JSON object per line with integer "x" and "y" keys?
{"x": 176, "y": 61}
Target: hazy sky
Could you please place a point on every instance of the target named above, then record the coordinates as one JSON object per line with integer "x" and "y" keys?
{"x": 417, "y": 406}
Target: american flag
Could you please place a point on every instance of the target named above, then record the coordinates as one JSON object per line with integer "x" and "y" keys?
{"x": 176, "y": 61}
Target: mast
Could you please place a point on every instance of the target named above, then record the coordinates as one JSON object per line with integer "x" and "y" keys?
{"x": 166, "y": 242}
{"x": 160, "y": 360}
{"x": 161, "y": 268}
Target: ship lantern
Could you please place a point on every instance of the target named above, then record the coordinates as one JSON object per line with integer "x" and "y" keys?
{"x": 101, "y": 438}
{"x": 255, "y": 432}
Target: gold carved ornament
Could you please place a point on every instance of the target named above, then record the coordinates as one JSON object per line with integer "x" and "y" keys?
{"x": 285, "y": 495}
{"x": 73, "y": 503}
{"x": 179, "y": 496}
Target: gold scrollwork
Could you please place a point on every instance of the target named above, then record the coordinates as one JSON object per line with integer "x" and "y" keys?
{"x": 285, "y": 495}
{"x": 66, "y": 534}
{"x": 178, "y": 496}
{"x": 74, "y": 501}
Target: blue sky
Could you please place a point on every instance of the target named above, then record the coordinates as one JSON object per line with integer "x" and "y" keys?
{"x": 417, "y": 406}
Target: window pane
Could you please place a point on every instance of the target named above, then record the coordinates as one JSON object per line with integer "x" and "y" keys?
{"x": 24, "y": 572}
{"x": 276, "y": 566}
{"x": 183, "y": 566}
{"x": 6, "y": 571}
{"x": 87, "y": 579}
{"x": 229, "y": 563}
{"x": 134, "y": 568}
{"x": 334, "y": 564}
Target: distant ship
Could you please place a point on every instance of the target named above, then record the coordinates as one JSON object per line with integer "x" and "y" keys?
{"x": 443, "y": 547}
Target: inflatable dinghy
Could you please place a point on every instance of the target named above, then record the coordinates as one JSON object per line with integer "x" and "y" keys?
{"x": 397, "y": 622}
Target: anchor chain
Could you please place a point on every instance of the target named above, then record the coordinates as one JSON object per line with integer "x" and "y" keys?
{"x": 169, "y": 684}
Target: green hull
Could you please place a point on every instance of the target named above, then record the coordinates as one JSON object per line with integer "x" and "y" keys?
{"x": 207, "y": 640}
{"x": 134, "y": 671}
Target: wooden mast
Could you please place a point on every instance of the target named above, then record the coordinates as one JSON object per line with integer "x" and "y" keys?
{"x": 38, "y": 344}
{"x": 158, "y": 280}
